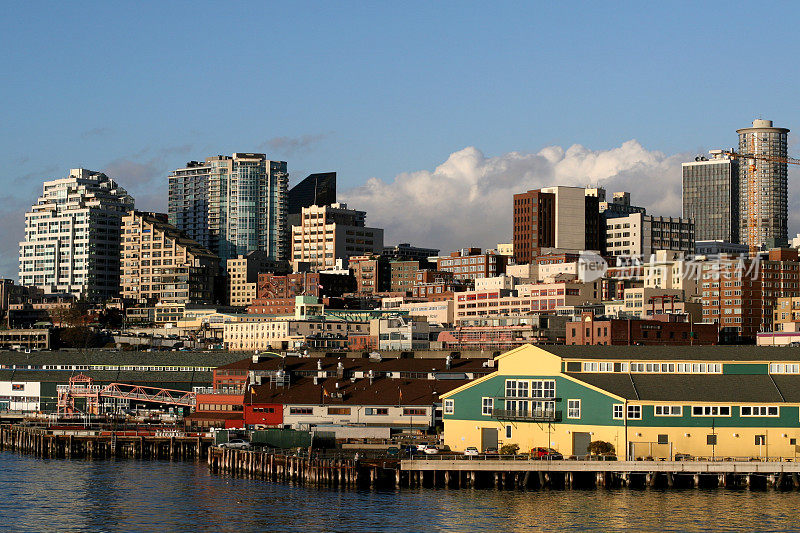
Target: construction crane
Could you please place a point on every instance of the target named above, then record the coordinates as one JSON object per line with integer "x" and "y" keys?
{"x": 752, "y": 185}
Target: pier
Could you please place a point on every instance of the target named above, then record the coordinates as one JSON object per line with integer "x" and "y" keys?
{"x": 99, "y": 444}
{"x": 319, "y": 469}
{"x": 506, "y": 474}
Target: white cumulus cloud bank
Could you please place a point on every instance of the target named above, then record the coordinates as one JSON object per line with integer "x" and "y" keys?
{"x": 467, "y": 200}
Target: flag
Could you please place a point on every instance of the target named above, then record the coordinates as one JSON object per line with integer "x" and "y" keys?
{"x": 400, "y": 399}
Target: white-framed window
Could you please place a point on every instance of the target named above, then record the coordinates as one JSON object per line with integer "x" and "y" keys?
{"x": 606, "y": 367}
{"x": 668, "y": 410}
{"x": 711, "y": 410}
{"x": 781, "y": 368}
{"x": 573, "y": 408}
{"x": 590, "y": 366}
{"x": 516, "y": 388}
{"x": 449, "y": 406}
{"x": 634, "y": 412}
{"x": 760, "y": 410}
{"x": 487, "y": 406}
{"x": 543, "y": 388}
{"x": 617, "y": 412}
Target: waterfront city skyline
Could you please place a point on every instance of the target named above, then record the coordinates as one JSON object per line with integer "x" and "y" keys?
{"x": 436, "y": 109}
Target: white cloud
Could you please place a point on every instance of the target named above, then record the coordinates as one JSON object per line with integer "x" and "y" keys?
{"x": 466, "y": 201}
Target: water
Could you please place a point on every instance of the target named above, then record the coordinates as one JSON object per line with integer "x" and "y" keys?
{"x": 126, "y": 495}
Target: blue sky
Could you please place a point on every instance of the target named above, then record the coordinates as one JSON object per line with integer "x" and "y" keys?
{"x": 375, "y": 89}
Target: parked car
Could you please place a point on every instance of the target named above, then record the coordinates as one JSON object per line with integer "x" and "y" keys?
{"x": 471, "y": 450}
{"x": 430, "y": 449}
{"x": 421, "y": 447}
{"x": 237, "y": 444}
{"x": 683, "y": 457}
{"x": 393, "y": 451}
{"x": 546, "y": 453}
{"x": 491, "y": 450}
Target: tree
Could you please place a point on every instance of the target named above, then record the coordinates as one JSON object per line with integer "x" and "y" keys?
{"x": 509, "y": 449}
{"x": 601, "y": 447}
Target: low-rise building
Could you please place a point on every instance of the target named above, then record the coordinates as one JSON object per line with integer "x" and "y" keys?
{"x": 646, "y": 401}
{"x": 504, "y": 333}
{"x": 471, "y": 264}
{"x": 591, "y": 330}
{"x": 243, "y": 274}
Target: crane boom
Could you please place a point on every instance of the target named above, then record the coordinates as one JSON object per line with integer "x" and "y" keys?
{"x": 760, "y": 157}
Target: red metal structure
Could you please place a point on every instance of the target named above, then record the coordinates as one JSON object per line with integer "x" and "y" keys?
{"x": 81, "y": 386}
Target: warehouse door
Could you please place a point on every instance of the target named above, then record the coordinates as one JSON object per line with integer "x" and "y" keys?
{"x": 488, "y": 438}
{"x": 580, "y": 443}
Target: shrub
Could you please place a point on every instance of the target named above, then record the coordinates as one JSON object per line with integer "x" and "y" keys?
{"x": 509, "y": 449}
{"x": 601, "y": 447}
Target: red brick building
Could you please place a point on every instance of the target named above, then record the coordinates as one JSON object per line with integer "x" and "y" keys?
{"x": 373, "y": 274}
{"x": 471, "y": 264}
{"x": 534, "y": 224}
{"x": 610, "y": 332}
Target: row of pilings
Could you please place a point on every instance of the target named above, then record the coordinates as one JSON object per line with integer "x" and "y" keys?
{"x": 285, "y": 467}
{"x": 541, "y": 479}
{"x": 82, "y": 445}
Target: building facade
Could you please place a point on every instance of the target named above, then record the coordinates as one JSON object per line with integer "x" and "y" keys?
{"x": 711, "y": 197}
{"x": 243, "y": 274}
{"x": 763, "y": 203}
{"x": 160, "y": 264}
{"x": 328, "y": 233}
{"x": 471, "y": 264}
{"x": 649, "y": 402}
{"x": 639, "y": 235}
{"x": 233, "y": 204}
{"x": 72, "y": 237}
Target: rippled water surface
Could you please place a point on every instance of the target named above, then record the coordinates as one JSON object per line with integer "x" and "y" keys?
{"x": 60, "y": 495}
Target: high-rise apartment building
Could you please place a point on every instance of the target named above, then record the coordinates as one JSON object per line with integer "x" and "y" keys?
{"x": 763, "y": 204}
{"x": 328, "y": 233}
{"x": 161, "y": 265}
{"x": 234, "y": 204}
{"x": 188, "y": 201}
{"x": 72, "y": 236}
{"x": 711, "y": 197}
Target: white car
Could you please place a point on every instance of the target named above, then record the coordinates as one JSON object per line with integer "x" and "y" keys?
{"x": 421, "y": 447}
{"x": 430, "y": 449}
{"x": 237, "y": 444}
{"x": 471, "y": 450}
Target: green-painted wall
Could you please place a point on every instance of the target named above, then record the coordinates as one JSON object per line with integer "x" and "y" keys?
{"x": 596, "y": 407}
{"x": 788, "y": 418}
{"x": 745, "y": 368}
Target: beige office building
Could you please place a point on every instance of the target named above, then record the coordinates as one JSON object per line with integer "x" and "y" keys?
{"x": 331, "y": 232}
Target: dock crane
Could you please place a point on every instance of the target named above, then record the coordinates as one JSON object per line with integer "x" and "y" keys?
{"x": 752, "y": 185}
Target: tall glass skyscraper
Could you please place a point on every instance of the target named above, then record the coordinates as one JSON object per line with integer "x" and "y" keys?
{"x": 233, "y": 205}
{"x": 711, "y": 197}
{"x": 763, "y": 186}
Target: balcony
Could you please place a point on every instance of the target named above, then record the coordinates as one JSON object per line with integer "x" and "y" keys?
{"x": 536, "y": 415}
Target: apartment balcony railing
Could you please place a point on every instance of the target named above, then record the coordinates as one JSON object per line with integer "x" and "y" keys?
{"x": 536, "y": 415}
